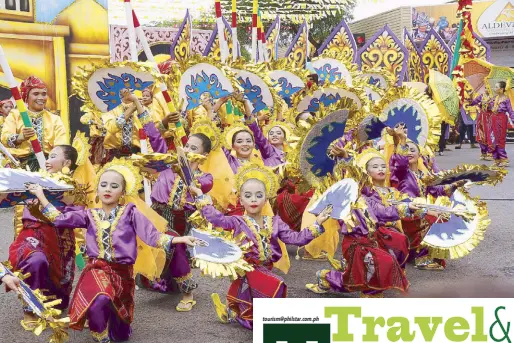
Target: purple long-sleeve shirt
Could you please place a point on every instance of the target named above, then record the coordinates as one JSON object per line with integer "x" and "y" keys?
{"x": 119, "y": 239}
{"x": 166, "y": 188}
{"x": 375, "y": 210}
{"x": 504, "y": 106}
{"x": 268, "y": 253}
{"x": 272, "y": 156}
{"x": 406, "y": 181}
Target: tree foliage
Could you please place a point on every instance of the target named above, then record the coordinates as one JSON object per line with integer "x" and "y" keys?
{"x": 322, "y": 16}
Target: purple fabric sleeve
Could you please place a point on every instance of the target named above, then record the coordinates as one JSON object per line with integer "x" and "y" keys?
{"x": 289, "y": 236}
{"x": 157, "y": 142}
{"x": 217, "y": 218}
{"x": 261, "y": 142}
{"x": 144, "y": 228}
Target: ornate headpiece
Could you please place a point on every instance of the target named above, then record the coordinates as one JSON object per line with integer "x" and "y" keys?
{"x": 28, "y": 84}
{"x": 259, "y": 172}
{"x": 207, "y": 127}
{"x": 81, "y": 144}
{"x": 367, "y": 155}
{"x": 131, "y": 174}
{"x": 285, "y": 126}
{"x": 233, "y": 130}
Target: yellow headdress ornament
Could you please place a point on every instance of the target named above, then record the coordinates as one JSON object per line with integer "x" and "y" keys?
{"x": 259, "y": 172}
{"x": 232, "y": 130}
{"x": 367, "y": 155}
{"x": 207, "y": 127}
{"x": 288, "y": 129}
{"x": 131, "y": 174}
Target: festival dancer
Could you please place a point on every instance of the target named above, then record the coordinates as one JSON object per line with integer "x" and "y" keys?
{"x": 121, "y": 137}
{"x": 41, "y": 249}
{"x": 255, "y": 184}
{"x": 104, "y": 294}
{"x": 407, "y": 172}
{"x": 374, "y": 248}
{"x": 47, "y": 127}
{"x": 492, "y": 123}
{"x": 272, "y": 144}
{"x": 172, "y": 200}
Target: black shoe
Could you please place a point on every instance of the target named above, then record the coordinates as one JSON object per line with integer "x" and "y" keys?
{"x": 458, "y": 147}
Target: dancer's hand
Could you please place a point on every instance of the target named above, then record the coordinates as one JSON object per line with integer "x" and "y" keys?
{"x": 262, "y": 116}
{"x": 27, "y": 133}
{"x": 173, "y": 117}
{"x": 339, "y": 152}
{"x": 324, "y": 215}
{"x": 36, "y": 189}
{"x": 197, "y": 192}
{"x": 188, "y": 240}
{"x": 12, "y": 283}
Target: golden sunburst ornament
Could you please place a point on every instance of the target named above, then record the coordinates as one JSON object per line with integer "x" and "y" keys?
{"x": 259, "y": 172}
{"x": 233, "y": 130}
{"x": 207, "y": 127}
{"x": 131, "y": 174}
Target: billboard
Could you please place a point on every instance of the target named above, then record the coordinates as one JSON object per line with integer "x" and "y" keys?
{"x": 489, "y": 19}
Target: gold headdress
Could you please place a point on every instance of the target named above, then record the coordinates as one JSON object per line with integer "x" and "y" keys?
{"x": 259, "y": 172}
{"x": 285, "y": 126}
{"x": 208, "y": 127}
{"x": 231, "y": 131}
{"x": 367, "y": 155}
{"x": 131, "y": 174}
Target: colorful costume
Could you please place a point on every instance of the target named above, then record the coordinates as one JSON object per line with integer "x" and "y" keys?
{"x": 264, "y": 246}
{"x": 410, "y": 183}
{"x": 49, "y": 128}
{"x": 172, "y": 201}
{"x": 105, "y": 291}
{"x": 47, "y": 253}
{"x": 374, "y": 250}
{"x": 492, "y": 125}
{"x": 260, "y": 283}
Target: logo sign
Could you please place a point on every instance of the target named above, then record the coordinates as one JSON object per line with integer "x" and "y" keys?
{"x": 297, "y": 333}
{"x": 382, "y": 320}
{"x": 497, "y": 20}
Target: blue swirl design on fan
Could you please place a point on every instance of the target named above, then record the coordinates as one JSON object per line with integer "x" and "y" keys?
{"x": 111, "y": 87}
{"x": 203, "y": 83}
{"x": 325, "y": 99}
{"x": 408, "y": 115}
{"x": 252, "y": 93}
{"x": 327, "y": 72}
{"x": 320, "y": 163}
{"x": 371, "y": 128}
{"x": 287, "y": 89}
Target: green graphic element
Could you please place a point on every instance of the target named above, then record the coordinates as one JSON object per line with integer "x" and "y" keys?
{"x": 499, "y": 322}
{"x": 297, "y": 333}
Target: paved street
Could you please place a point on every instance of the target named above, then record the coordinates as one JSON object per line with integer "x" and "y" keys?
{"x": 156, "y": 320}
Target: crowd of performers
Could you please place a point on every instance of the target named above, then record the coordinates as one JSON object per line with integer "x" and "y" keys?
{"x": 109, "y": 223}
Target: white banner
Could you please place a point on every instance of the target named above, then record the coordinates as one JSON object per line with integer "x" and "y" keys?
{"x": 382, "y": 320}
